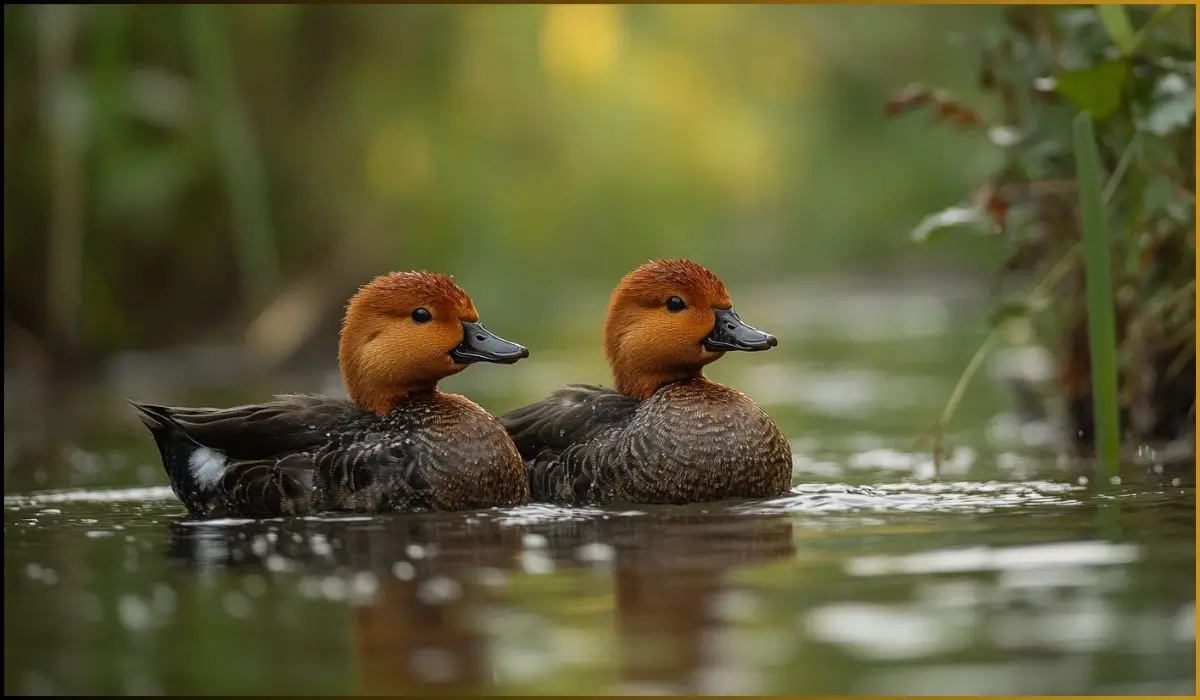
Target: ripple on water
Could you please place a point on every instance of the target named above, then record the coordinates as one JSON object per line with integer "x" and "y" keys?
{"x": 909, "y": 496}
{"x": 939, "y": 496}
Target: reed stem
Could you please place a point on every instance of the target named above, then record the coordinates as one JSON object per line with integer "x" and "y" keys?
{"x": 1102, "y": 334}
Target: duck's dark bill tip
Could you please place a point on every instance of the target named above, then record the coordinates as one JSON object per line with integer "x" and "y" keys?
{"x": 731, "y": 333}
{"x": 481, "y": 345}
{"x": 508, "y": 359}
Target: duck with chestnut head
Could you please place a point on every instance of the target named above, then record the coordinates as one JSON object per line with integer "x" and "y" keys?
{"x": 663, "y": 433}
{"x": 397, "y": 444}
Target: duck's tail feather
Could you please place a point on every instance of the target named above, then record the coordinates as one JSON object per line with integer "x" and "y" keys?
{"x": 193, "y": 468}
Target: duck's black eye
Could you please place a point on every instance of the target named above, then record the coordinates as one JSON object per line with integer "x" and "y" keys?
{"x": 422, "y": 315}
{"x": 675, "y": 304}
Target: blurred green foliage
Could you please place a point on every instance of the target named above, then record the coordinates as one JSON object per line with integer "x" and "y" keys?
{"x": 171, "y": 170}
{"x": 1133, "y": 69}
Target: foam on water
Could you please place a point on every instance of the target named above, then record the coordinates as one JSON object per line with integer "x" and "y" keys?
{"x": 935, "y": 496}
{"x": 534, "y": 513}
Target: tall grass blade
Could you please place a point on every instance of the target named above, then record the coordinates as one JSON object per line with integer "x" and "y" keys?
{"x": 245, "y": 180}
{"x": 57, "y": 32}
{"x": 1102, "y": 333}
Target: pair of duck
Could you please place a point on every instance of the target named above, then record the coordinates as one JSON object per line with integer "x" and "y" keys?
{"x": 662, "y": 434}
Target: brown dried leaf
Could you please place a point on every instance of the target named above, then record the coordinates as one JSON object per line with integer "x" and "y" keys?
{"x": 946, "y": 108}
{"x": 914, "y": 96}
{"x": 989, "y": 199}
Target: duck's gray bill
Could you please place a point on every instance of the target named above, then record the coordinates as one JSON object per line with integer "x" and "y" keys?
{"x": 481, "y": 345}
{"x": 731, "y": 333}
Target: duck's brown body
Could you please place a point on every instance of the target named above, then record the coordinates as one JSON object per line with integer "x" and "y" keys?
{"x": 691, "y": 441}
{"x": 433, "y": 452}
{"x": 303, "y": 454}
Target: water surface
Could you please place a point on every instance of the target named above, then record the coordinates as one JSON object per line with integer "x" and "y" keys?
{"x": 1000, "y": 570}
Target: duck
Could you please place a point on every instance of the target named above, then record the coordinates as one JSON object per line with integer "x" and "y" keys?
{"x": 396, "y": 443}
{"x": 662, "y": 433}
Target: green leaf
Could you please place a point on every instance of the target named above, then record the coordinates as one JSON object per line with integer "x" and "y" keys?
{"x": 951, "y": 218}
{"x": 1098, "y": 90}
{"x": 1116, "y": 21}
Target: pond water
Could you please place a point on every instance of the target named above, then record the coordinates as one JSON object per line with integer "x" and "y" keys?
{"x": 1000, "y": 570}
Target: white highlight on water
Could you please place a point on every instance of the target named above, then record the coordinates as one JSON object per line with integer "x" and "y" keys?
{"x": 150, "y": 493}
{"x": 968, "y": 559}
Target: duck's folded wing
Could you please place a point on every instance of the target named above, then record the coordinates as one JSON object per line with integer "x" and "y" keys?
{"x": 373, "y": 472}
{"x": 263, "y": 489}
{"x": 571, "y": 415}
{"x": 255, "y": 431}
{"x": 563, "y": 440}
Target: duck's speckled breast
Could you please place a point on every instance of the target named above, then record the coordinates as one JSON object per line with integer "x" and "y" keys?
{"x": 700, "y": 441}
{"x": 439, "y": 452}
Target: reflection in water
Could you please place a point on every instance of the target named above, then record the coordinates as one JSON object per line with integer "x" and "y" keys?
{"x": 671, "y": 590}
{"x": 419, "y": 584}
{"x": 410, "y": 580}
{"x": 670, "y": 574}
{"x": 417, "y": 636}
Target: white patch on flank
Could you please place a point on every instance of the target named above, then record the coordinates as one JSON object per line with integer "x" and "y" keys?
{"x": 207, "y": 466}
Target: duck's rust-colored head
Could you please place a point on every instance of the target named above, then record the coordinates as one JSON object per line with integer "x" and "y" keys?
{"x": 666, "y": 320}
{"x": 406, "y": 331}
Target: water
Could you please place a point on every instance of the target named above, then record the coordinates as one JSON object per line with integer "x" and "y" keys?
{"x": 999, "y": 570}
